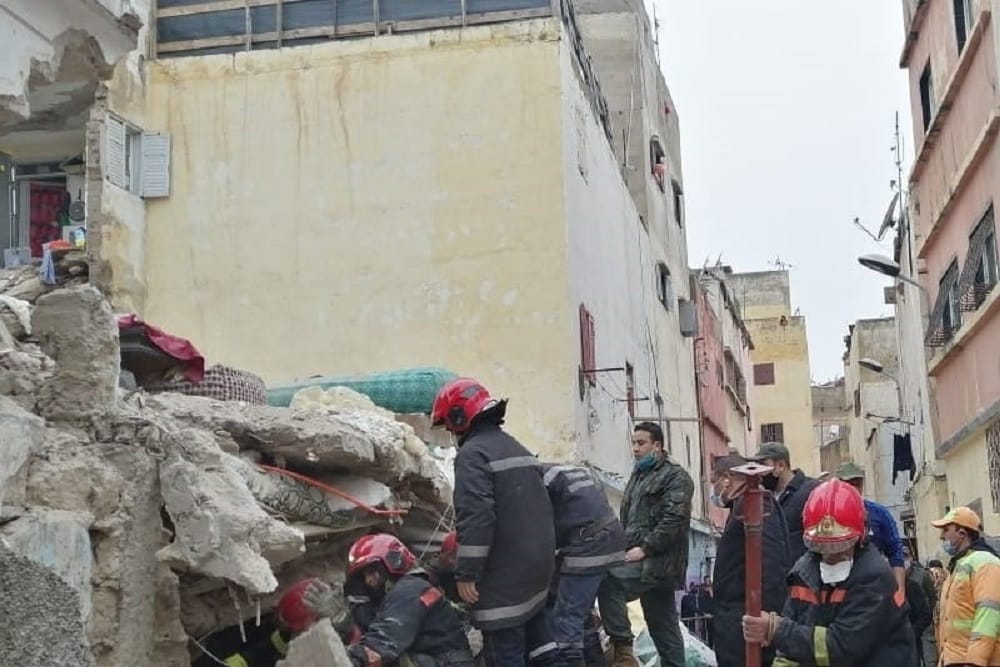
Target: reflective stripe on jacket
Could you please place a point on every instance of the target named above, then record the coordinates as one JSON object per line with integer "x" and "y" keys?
{"x": 970, "y": 610}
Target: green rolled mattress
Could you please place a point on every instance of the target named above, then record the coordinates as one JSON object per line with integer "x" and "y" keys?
{"x": 405, "y": 391}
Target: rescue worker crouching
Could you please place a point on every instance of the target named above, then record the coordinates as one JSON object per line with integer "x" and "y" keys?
{"x": 411, "y": 622}
{"x": 265, "y": 644}
{"x": 844, "y": 606}
{"x": 589, "y": 540}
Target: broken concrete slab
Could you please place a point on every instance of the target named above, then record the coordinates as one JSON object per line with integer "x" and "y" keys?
{"x": 299, "y": 501}
{"x": 75, "y": 326}
{"x": 58, "y": 540}
{"x": 369, "y": 443}
{"x": 22, "y": 434}
{"x": 77, "y": 478}
{"x": 319, "y": 645}
{"x": 220, "y": 530}
{"x": 40, "y": 619}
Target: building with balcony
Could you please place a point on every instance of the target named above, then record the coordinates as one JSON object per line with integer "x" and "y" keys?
{"x": 951, "y": 55}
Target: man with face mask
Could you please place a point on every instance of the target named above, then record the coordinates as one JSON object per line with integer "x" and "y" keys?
{"x": 791, "y": 487}
{"x": 843, "y": 606}
{"x": 969, "y": 620}
{"x": 656, "y": 514}
{"x": 728, "y": 490}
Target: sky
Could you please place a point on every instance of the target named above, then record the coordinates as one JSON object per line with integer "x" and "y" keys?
{"x": 787, "y": 116}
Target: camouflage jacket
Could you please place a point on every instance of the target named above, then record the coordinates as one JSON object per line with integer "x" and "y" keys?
{"x": 656, "y": 513}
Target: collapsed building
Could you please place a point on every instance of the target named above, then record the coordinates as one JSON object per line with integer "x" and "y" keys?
{"x": 133, "y": 524}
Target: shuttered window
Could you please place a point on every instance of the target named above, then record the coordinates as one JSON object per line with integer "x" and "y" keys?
{"x": 588, "y": 353}
{"x": 134, "y": 160}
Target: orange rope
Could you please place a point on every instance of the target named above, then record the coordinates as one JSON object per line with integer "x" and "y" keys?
{"x": 331, "y": 489}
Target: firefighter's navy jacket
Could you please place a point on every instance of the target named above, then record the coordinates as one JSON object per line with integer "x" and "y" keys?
{"x": 589, "y": 536}
{"x": 862, "y": 621}
{"x": 506, "y": 539}
{"x": 415, "y": 618}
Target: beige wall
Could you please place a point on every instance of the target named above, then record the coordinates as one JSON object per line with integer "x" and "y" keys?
{"x": 343, "y": 207}
{"x": 789, "y": 400}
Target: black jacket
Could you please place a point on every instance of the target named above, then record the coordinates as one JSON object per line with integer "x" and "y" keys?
{"x": 589, "y": 536}
{"x": 729, "y": 577}
{"x": 506, "y": 539}
{"x": 414, "y": 618}
{"x": 793, "y": 500}
{"x": 921, "y": 614}
{"x": 861, "y": 622}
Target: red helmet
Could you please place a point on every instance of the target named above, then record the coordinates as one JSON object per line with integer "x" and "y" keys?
{"x": 380, "y": 548}
{"x": 833, "y": 519}
{"x": 292, "y": 610}
{"x": 458, "y": 402}
{"x": 449, "y": 545}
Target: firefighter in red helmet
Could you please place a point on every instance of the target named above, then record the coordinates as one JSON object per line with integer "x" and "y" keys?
{"x": 505, "y": 562}
{"x": 408, "y": 615}
{"x": 265, "y": 644}
{"x": 843, "y": 606}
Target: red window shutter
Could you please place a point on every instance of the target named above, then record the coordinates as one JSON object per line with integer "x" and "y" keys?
{"x": 588, "y": 354}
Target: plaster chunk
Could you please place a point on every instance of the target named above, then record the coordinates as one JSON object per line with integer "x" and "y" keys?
{"x": 319, "y": 645}
{"x": 220, "y": 530}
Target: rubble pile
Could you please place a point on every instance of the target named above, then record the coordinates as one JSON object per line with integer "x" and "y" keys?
{"x": 132, "y": 525}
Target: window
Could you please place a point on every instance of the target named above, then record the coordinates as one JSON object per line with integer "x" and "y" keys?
{"x": 588, "y": 354}
{"x": 927, "y": 96}
{"x": 763, "y": 374}
{"x": 979, "y": 272}
{"x": 136, "y": 161}
{"x": 720, "y": 373}
{"x": 664, "y": 286}
{"x": 857, "y": 401}
{"x": 678, "y": 202}
{"x": 952, "y": 316}
{"x": 658, "y": 162}
{"x": 772, "y": 432}
{"x": 963, "y": 22}
{"x": 946, "y": 316}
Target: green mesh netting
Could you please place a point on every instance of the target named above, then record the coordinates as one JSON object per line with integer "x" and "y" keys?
{"x": 405, "y": 391}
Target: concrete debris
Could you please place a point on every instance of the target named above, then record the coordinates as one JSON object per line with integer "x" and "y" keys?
{"x": 16, "y": 315}
{"x": 58, "y": 540}
{"x": 220, "y": 530}
{"x": 132, "y": 522}
{"x": 299, "y": 501}
{"x": 77, "y": 329}
{"x": 319, "y": 645}
{"x": 365, "y": 443}
{"x": 22, "y": 434}
{"x": 40, "y": 620}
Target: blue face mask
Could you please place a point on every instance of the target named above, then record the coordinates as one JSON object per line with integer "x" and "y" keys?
{"x": 949, "y": 548}
{"x": 646, "y": 462}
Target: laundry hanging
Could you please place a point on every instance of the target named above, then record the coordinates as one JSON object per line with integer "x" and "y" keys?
{"x": 902, "y": 456}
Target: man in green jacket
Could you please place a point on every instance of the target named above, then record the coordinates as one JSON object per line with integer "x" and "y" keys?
{"x": 656, "y": 513}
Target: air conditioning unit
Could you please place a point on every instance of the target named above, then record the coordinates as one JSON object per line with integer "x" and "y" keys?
{"x": 688, "y": 317}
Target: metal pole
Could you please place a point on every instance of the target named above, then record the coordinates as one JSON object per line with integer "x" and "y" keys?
{"x": 753, "y": 522}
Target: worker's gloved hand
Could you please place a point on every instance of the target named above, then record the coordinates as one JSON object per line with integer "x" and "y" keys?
{"x": 328, "y": 602}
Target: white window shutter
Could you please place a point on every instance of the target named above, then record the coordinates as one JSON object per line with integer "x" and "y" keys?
{"x": 114, "y": 151}
{"x": 155, "y": 170}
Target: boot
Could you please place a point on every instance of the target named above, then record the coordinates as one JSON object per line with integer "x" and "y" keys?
{"x": 623, "y": 655}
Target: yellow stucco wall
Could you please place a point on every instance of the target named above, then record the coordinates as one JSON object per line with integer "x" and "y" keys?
{"x": 789, "y": 399}
{"x": 968, "y": 479}
{"x": 344, "y": 207}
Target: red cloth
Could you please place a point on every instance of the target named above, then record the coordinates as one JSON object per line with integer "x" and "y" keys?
{"x": 178, "y": 348}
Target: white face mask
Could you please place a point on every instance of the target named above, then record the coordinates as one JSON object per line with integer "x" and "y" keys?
{"x": 836, "y": 573}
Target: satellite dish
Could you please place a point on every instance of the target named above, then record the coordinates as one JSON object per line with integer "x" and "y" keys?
{"x": 889, "y": 219}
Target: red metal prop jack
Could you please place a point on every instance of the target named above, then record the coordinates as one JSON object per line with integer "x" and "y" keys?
{"x": 753, "y": 522}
